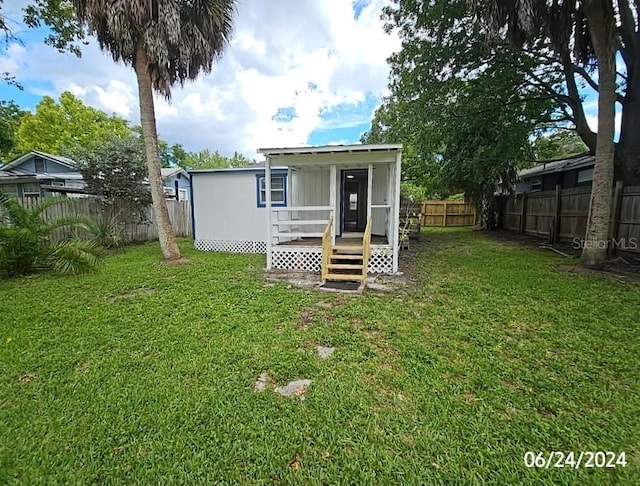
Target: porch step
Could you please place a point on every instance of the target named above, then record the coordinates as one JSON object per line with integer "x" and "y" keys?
{"x": 345, "y": 256}
{"x": 349, "y": 249}
{"x": 344, "y": 266}
{"x": 345, "y": 276}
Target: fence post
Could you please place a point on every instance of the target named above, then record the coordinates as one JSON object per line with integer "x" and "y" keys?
{"x": 523, "y": 213}
{"x": 444, "y": 214}
{"x": 614, "y": 226}
{"x": 556, "y": 220}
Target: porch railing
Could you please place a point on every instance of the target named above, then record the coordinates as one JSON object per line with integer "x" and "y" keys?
{"x": 297, "y": 226}
{"x": 366, "y": 250}
{"x": 327, "y": 241}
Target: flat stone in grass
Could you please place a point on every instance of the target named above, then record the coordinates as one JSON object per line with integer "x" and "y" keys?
{"x": 324, "y": 305}
{"x": 296, "y": 387}
{"x": 261, "y": 383}
{"x": 325, "y": 351}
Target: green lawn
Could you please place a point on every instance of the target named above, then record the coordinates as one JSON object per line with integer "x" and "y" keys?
{"x": 143, "y": 373}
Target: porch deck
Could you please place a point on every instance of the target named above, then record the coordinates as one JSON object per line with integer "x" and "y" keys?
{"x": 340, "y": 240}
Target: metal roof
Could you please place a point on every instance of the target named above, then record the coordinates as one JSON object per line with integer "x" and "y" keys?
{"x": 253, "y": 168}
{"x": 561, "y": 165}
{"x": 329, "y": 149}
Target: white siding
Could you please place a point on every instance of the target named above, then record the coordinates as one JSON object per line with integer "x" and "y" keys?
{"x": 225, "y": 207}
{"x": 311, "y": 188}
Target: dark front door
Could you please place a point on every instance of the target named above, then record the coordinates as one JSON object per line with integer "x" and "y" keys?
{"x": 354, "y": 200}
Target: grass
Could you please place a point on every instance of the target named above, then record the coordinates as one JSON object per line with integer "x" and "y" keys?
{"x": 143, "y": 373}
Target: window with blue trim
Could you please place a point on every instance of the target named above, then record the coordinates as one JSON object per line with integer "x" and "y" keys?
{"x": 278, "y": 190}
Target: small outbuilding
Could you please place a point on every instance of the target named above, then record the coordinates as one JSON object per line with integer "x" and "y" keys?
{"x": 333, "y": 209}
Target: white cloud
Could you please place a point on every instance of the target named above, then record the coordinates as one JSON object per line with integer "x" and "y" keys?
{"x": 279, "y": 48}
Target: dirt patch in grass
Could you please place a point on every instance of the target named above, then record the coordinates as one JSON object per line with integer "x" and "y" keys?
{"x": 132, "y": 294}
{"x": 625, "y": 266}
{"x": 314, "y": 315}
{"x": 176, "y": 262}
{"x": 610, "y": 271}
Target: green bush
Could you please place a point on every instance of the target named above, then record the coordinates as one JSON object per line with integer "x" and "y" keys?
{"x": 107, "y": 232}
{"x": 26, "y": 243}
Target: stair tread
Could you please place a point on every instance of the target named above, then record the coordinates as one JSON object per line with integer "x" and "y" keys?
{"x": 345, "y": 256}
{"x": 345, "y": 266}
{"x": 344, "y": 276}
{"x": 351, "y": 248}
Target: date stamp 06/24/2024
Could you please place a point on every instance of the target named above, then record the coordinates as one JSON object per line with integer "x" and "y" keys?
{"x": 582, "y": 459}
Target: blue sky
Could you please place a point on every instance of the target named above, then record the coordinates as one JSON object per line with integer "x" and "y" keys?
{"x": 296, "y": 73}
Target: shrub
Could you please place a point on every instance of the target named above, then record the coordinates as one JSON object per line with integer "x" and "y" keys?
{"x": 26, "y": 243}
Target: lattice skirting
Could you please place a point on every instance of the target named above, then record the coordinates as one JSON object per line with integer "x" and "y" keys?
{"x": 297, "y": 258}
{"x": 231, "y": 246}
{"x": 310, "y": 259}
{"x": 381, "y": 260}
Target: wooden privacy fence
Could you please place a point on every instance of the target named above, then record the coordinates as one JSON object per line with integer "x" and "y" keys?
{"x": 134, "y": 231}
{"x": 448, "y": 213}
{"x": 561, "y": 215}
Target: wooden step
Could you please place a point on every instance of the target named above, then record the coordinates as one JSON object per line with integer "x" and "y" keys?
{"x": 348, "y": 248}
{"x": 344, "y": 266}
{"x": 344, "y": 256}
{"x": 344, "y": 276}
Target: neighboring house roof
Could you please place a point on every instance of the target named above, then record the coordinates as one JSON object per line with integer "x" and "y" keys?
{"x": 171, "y": 171}
{"x": 55, "y": 158}
{"x": 561, "y": 165}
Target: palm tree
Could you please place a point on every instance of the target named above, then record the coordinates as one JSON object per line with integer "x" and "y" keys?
{"x": 166, "y": 42}
{"x": 589, "y": 26}
{"x": 26, "y": 243}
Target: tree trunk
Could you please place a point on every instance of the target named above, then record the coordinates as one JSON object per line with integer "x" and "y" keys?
{"x": 600, "y": 19}
{"x": 627, "y": 164}
{"x": 167, "y": 239}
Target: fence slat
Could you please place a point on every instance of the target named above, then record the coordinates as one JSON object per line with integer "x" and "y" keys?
{"x": 135, "y": 232}
{"x": 448, "y": 213}
{"x": 562, "y": 215}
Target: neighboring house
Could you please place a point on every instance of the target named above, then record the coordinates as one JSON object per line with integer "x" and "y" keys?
{"x": 568, "y": 173}
{"x": 303, "y": 200}
{"x": 38, "y": 174}
{"x": 177, "y": 183}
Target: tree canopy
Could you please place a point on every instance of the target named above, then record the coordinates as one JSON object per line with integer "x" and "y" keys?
{"x": 558, "y": 145}
{"x": 465, "y": 123}
{"x": 444, "y": 41}
{"x": 10, "y": 115}
{"x": 68, "y": 124}
{"x": 116, "y": 170}
{"x": 206, "y": 159}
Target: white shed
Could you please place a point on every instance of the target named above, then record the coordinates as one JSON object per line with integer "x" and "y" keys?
{"x": 312, "y": 208}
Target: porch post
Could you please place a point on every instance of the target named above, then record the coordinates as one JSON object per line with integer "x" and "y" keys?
{"x": 369, "y": 190}
{"x": 396, "y": 211}
{"x": 332, "y": 200}
{"x": 391, "y": 181}
{"x": 267, "y": 195}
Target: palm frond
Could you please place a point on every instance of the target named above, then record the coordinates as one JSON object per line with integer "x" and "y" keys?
{"x": 73, "y": 256}
{"x": 181, "y": 37}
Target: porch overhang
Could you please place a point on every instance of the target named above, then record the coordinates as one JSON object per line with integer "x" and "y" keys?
{"x": 345, "y": 155}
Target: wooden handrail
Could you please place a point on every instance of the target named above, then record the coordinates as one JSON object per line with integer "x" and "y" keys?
{"x": 326, "y": 249}
{"x": 366, "y": 250}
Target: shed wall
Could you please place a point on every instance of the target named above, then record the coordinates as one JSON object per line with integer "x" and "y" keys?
{"x": 225, "y": 208}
